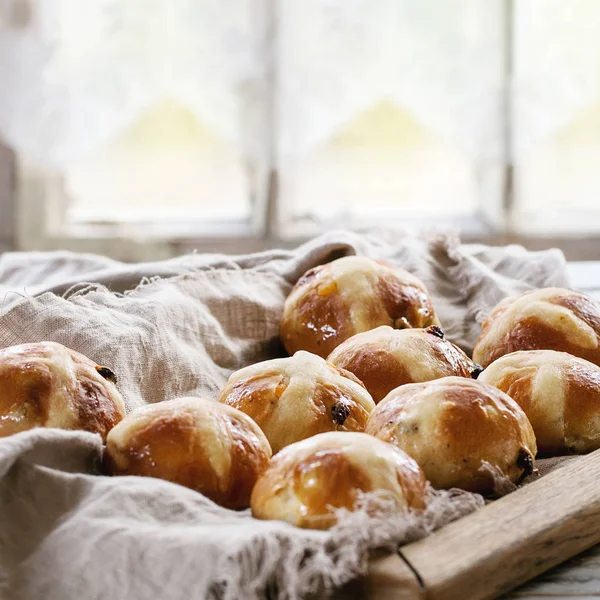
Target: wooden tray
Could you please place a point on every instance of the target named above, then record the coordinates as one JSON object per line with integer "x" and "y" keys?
{"x": 500, "y": 546}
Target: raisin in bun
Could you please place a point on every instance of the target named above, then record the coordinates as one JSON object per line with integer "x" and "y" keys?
{"x": 307, "y": 481}
{"x": 559, "y": 393}
{"x": 332, "y": 302}
{"x": 385, "y": 358}
{"x": 297, "y": 397}
{"x": 46, "y": 384}
{"x": 450, "y": 426}
{"x": 544, "y": 319}
{"x": 198, "y": 443}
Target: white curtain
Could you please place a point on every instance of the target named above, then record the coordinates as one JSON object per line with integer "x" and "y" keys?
{"x": 556, "y": 66}
{"x": 287, "y": 73}
{"x": 442, "y": 60}
{"x": 76, "y": 73}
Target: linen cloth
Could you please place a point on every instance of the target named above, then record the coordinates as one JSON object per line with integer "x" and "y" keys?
{"x": 180, "y": 327}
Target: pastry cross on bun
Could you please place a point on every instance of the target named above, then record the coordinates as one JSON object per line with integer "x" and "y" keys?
{"x": 308, "y": 480}
{"x": 332, "y": 302}
{"x": 297, "y": 397}
{"x": 385, "y": 358}
{"x": 46, "y": 384}
{"x": 559, "y": 393}
{"x": 450, "y": 426}
{"x": 544, "y": 319}
{"x": 198, "y": 443}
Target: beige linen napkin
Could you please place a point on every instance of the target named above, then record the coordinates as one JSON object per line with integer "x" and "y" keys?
{"x": 178, "y": 328}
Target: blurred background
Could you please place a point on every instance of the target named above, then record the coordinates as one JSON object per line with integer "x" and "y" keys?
{"x": 142, "y": 130}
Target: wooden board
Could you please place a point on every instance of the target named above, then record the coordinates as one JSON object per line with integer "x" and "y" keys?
{"x": 502, "y": 545}
{"x": 389, "y": 578}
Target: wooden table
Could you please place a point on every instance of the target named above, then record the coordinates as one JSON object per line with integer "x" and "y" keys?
{"x": 578, "y": 578}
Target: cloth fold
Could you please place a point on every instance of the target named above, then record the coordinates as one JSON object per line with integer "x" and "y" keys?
{"x": 177, "y": 328}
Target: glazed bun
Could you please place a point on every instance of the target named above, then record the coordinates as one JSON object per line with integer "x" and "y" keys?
{"x": 450, "y": 426}
{"x": 294, "y": 398}
{"x": 307, "y": 481}
{"x": 545, "y": 319}
{"x": 332, "y": 302}
{"x": 385, "y": 358}
{"x": 559, "y": 393}
{"x": 48, "y": 385}
{"x": 200, "y": 444}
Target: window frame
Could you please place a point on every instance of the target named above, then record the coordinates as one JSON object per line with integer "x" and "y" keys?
{"x": 7, "y": 200}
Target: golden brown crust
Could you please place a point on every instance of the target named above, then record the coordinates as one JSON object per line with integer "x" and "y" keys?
{"x": 345, "y": 373}
{"x": 546, "y": 319}
{"x": 585, "y": 308}
{"x": 307, "y": 481}
{"x": 494, "y": 316}
{"x": 46, "y": 384}
{"x": 451, "y": 425}
{"x": 319, "y": 320}
{"x": 200, "y": 444}
{"x": 297, "y": 397}
{"x": 582, "y": 407}
{"x": 559, "y": 393}
{"x": 385, "y": 358}
{"x": 405, "y": 305}
{"x": 332, "y": 302}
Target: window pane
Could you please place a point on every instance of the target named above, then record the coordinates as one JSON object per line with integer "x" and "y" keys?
{"x": 384, "y": 161}
{"x": 168, "y": 166}
{"x": 557, "y": 115}
{"x": 147, "y": 110}
{"x": 391, "y": 108}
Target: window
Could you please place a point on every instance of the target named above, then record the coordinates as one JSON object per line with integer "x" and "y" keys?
{"x": 390, "y": 110}
{"x": 249, "y": 122}
{"x": 556, "y": 116}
